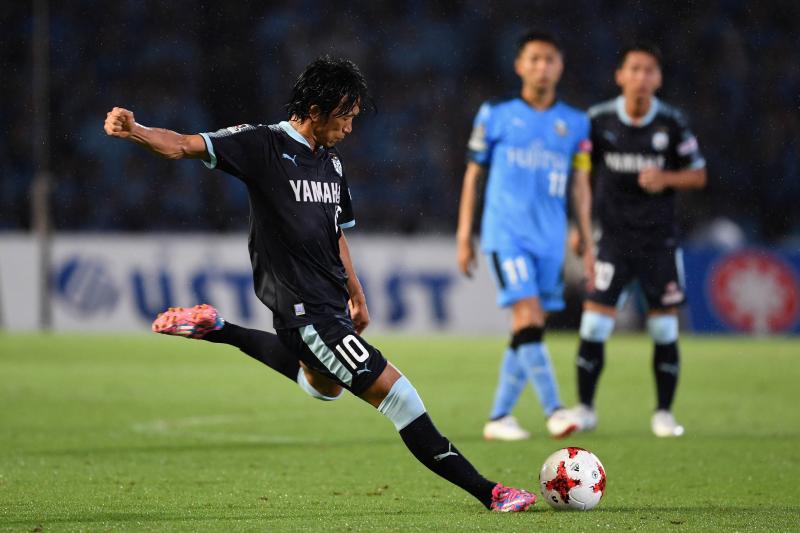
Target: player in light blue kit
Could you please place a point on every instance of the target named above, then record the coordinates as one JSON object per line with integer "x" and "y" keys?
{"x": 530, "y": 145}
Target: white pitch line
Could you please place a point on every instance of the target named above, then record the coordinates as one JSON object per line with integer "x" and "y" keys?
{"x": 162, "y": 425}
{"x": 185, "y": 427}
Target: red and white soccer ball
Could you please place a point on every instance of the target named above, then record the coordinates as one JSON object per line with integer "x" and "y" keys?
{"x": 573, "y": 478}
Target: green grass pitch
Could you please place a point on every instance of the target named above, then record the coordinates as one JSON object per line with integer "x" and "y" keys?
{"x": 154, "y": 433}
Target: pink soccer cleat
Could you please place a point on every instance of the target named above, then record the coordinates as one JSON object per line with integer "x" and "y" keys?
{"x": 510, "y": 500}
{"x": 192, "y": 322}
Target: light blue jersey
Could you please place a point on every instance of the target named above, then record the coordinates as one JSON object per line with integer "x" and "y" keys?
{"x": 530, "y": 155}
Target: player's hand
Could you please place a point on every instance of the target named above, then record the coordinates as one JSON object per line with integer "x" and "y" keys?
{"x": 652, "y": 180}
{"x": 466, "y": 257}
{"x": 575, "y": 242}
{"x": 119, "y": 123}
{"x": 359, "y": 313}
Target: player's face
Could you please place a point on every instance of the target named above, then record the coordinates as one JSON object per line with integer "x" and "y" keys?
{"x": 330, "y": 130}
{"x": 539, "y": 65}
{"x": 639, "y": 76}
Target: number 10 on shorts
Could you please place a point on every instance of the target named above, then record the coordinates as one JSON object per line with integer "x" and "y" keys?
{"x": 354, "y": 349}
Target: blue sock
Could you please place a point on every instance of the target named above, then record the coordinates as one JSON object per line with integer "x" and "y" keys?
{"x": 509, "y": 386}
{"x": 536, "y": 362}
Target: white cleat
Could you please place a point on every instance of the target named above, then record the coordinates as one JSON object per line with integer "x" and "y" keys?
{"x": 664, "y": 425}
{"x": 560, "y": 424}
{"x": 506, "y": 428}
{"x": 583, "y": 416}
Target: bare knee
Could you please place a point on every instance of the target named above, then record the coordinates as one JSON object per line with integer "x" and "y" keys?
{"x": 376, "y": 392}
{"x": 527, "y": 313}
{"x": 607, "y": 310}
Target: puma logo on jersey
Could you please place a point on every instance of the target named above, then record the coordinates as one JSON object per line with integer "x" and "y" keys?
{"x": 292, "y": 159}
{"x": 448, "y": 453}
{"x": 316, "y": 191}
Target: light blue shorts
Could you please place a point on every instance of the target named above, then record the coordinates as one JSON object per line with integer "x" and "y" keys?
{"x": 520, "y": 274}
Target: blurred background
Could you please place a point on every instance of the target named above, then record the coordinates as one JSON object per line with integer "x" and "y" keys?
{"x": 117, "y": 225}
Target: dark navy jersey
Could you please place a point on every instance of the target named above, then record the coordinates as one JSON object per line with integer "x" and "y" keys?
{"x": 630, "y": 217}
{"x": 299, "y": 201}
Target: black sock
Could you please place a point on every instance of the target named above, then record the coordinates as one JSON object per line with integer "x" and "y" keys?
{"x": 433, "y": 450}
{"x": 260, "y": 345}
{"x": 666, "y": 367}
{"x": 590, "y": 363}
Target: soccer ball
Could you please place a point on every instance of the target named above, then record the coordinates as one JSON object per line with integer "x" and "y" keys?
{"x": 573, "y": 478}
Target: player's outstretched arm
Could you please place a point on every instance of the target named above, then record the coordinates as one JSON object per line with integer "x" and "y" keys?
{"x": 120, "y": 123}
{"x": 466, "y": 215}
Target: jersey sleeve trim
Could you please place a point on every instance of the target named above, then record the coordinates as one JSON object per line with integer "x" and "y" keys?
{"x": 212, "y": 164}
{"x": 349, "y": 224}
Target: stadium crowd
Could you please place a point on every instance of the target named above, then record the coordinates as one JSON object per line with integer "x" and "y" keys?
{"x": 192, "y": 67}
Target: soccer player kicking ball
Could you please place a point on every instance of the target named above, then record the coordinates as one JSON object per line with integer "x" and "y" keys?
{"x": 643, "y": 151}
{"x": 299, "y": 203}
{"x": 529, "y": 145}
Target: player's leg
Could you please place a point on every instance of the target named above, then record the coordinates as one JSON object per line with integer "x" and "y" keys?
{"x": 267, "y": 348}
{"x": 203, "y": 321}
{"x": 512, "y": 378}
{"x": 510, "y": 384}
{"x": 597, "y": 324}
{"x": 612, "y": 273}
{"x": 520, "y": 277}
{"x": 528, "y": 322}
{"x": 662, "y": 283}
{"x": 334, "y": 349}
{"x": 532, "y": 318}
{"x": 394, "y": 396}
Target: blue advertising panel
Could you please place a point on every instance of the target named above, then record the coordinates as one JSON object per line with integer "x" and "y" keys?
{"x": 751, "y": 290}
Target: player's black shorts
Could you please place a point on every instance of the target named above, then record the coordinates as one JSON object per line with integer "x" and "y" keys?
{"x": 332, "y": 347}
{"x": 659, "y": 273}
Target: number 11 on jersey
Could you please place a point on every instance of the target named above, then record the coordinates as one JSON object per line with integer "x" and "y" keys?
{"x": 558, "y": 184}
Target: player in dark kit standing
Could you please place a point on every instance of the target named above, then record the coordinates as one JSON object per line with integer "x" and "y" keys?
{"x": 643, "y": 151}
{"x": 299, "y": 203}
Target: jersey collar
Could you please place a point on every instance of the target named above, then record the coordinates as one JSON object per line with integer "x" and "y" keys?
{"x": 627, "y": 120}
{"x": 293, "y": 133}
{"x": 552, "y": 106}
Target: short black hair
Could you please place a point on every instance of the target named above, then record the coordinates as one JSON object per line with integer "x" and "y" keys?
{"x": 542, "y": 36}
{"x": 639, "y": 46}
{"x": 328, "y": 82}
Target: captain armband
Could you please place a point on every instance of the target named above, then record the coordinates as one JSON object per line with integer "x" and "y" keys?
{"x": 583, "y": 157}
{"x": 582, "y": 161}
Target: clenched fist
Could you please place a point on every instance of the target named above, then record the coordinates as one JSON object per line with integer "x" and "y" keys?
{"x": 651, "y": 179}
{"x": 119, "y": 123}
